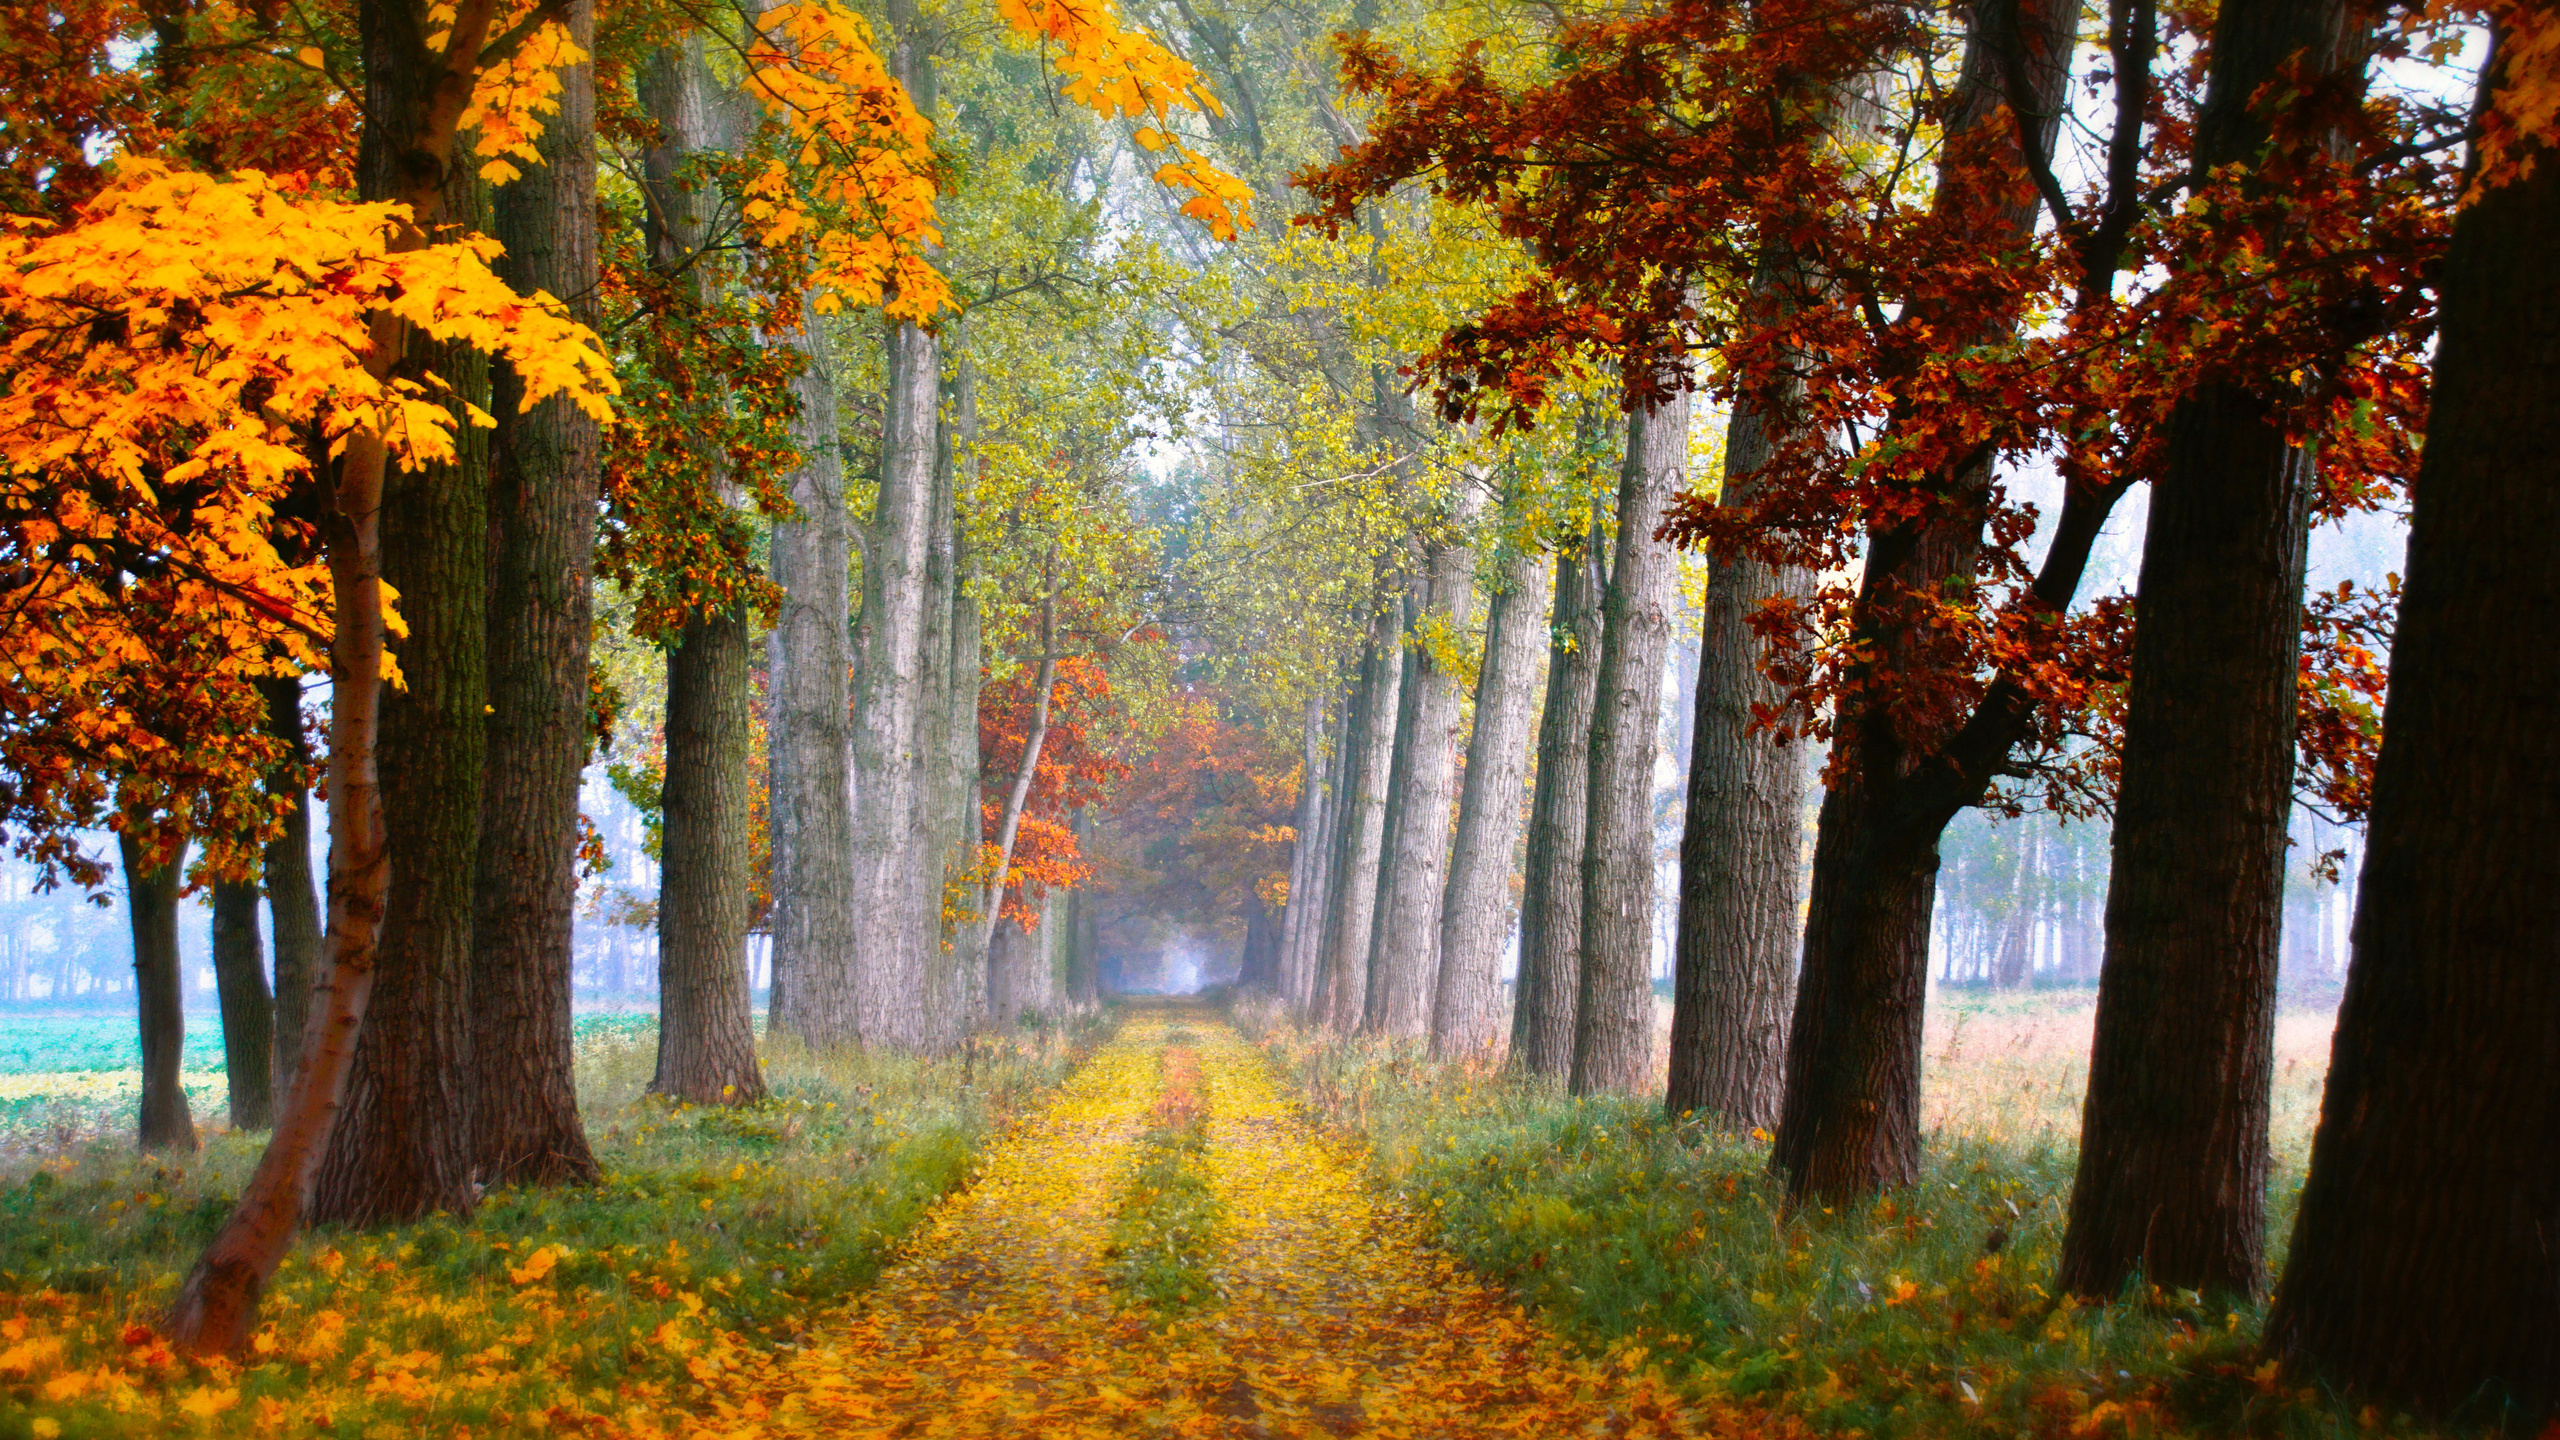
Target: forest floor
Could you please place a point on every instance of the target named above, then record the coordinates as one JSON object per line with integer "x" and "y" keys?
{"x": 1173, "y": 1248}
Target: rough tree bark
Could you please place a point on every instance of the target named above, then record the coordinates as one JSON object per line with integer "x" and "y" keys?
{"x": 1849, "y": 1121}
{"x": 893, "y": 918}
{"x": 542, "y": 525}
{"x": 248, "y": 1012}
{"x": 151, "y": 914}
{"x": 706, "y": 1033}
{"x": 402, "y": 1148}
{"x": 2172, "y": 1180}
{"x": 1406, "y": 966}
{"x": 2421, "y": 1269}
{"x": 1549, "y": 985}
{"x": 293, "y": 911}
{"x": 1741, "y": 845}
{"x": 1613, "y": 1017}
{"x": 1351, "y": 905}
{"x": 810, "y": 730}
{"x": 1475, "y": 908}
{"x": 414, "y": 97}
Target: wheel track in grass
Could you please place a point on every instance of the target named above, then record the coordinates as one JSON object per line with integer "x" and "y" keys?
{"x": 1338, "y": 1318}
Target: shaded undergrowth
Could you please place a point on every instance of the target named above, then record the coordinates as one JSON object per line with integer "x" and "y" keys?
{"x": 1928, "y": 1311}
{"x": 1167, "y": 1218}
{"x": 713, "y": 1229}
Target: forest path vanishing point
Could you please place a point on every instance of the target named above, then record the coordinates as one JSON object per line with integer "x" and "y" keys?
{"x": 1331, "y": 1314}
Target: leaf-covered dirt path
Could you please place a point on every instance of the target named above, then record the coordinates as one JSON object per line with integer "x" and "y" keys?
{"x": 1334, "y": 1316}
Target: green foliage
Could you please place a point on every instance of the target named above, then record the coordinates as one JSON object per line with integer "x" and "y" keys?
{"x": 1167, "y": 1219}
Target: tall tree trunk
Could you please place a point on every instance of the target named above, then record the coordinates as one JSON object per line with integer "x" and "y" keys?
{"x": 1083, "y": 987}
{"x": 955, "y": 955}
{"x": 808, "y": 658}
{"x": 248, "y": 1012}
{"x": 1613, "y": 1018}
{"x": 1304, "y": 965}
{"x": 1351, "y": 908}
{"x": 810, "y": 734}
{"x": 151, "y": 913}
{"x": 1371, "y": 1000}
{"x": 1549, "y": 985}
{"x": 2172, "y": 1182}
{"x": 402, "y": 1146}
{"x": 1475, "y": 908}
{"x": 1306, "y": 822}
{"x": 1849, "y": 1121}
{"x": 542, "y": 513}
{"x": 893, "y": 859}
{"x": 2421, "y": 1270}
{"x": 1741, "y": 843}
{"x": 959, "y": 826}
{"x": 1260, "y": 961}
{"x": 1407, "y": 965}
{"x": 293, "y": 911}
{"x": 706, "y": 1032}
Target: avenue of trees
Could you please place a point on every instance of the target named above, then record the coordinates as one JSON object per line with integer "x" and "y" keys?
{"x": 997, "y": 482}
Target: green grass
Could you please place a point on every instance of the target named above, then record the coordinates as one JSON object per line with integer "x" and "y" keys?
{"x": 1166, "y": 1221}
{"x": 750, "y": 1221}
{"x": 1926, "y": 1312}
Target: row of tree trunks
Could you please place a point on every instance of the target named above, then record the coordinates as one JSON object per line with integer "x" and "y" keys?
{"x": 1549, "y": 984}
{"x": 542, "y": 508}
{"x": 1741, "y": 843}
{"x": 1475, "y": 910}
{"x": 2421, "y": 1269}
{"x": 1404, "y": 960}
{"x": 1351, "y": 899}
{"x": 1850, "y": 1119}
{"x": 1613, "y": 1021}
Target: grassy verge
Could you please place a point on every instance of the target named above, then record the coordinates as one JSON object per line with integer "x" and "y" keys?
{"x": 715, "y": 1232}
{"x": 1925, "y": 1312}
{"x": 1167, "y": 1217}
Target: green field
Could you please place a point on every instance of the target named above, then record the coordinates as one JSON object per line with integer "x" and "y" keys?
{"x": 69, "y": 1079}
